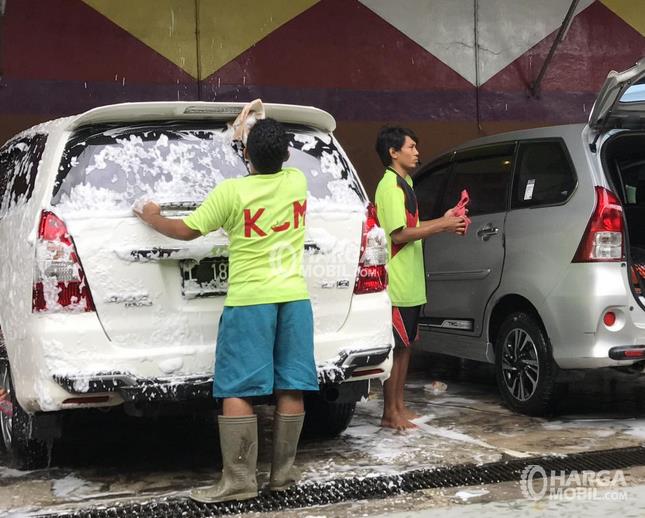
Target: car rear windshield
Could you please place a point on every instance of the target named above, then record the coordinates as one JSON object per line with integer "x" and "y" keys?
{"x": 109, "y": 169}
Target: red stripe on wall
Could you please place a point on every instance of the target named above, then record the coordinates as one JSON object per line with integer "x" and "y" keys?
{"x": 339, "y": 44}
{"x": 68, "y": 40}
{"x": 597, "y": 41}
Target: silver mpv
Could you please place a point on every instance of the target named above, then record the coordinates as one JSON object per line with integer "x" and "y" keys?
{"x": 550, "y": 277}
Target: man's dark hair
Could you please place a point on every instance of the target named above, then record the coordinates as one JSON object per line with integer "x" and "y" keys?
{"x": 392, "y": 137}
{"x": 267, "y": 146}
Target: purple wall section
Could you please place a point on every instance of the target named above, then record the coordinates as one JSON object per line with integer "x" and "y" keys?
{"x": 62, "y": 57}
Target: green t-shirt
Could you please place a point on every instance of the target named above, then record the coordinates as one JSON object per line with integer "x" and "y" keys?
{"x": 406, "y": 275}
{"x": 264, "y": 217}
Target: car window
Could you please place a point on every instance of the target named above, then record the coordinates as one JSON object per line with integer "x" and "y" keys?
{"x": 19, "y": 160}
{"x": 330, "y": 176}
{"x": 111, "y": 169}
{"x": 486, "y": 175}
{"x": 631, "y": 181}
{"x": 544, "y": 175}
{"x": 429, "y": 187}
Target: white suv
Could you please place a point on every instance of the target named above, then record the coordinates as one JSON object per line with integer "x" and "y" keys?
{"x": 99, "y": 310}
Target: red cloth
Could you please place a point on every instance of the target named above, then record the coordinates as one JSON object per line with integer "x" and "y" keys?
{"x": 460, "y": 208}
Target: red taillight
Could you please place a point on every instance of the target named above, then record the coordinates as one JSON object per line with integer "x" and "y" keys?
{"x": 634, "y": 353}
{"x": 627, "y": 352}
{"x": 85, "y": 400}
{"x": 372, "y": 276}
{"x": 609, "y": 318}
{"x": 603, "y": 238}
{"x": 59, "y": 280}
{"x": 367, "y": 372}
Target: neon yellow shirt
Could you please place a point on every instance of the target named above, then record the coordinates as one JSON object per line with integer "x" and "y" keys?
{"x": 264, "y": 217}
{"x": 405, "y": 270}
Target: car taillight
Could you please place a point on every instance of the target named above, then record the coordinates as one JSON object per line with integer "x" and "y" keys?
{"x": 59, "y": 280}
{"x": 603, "y": 239}
{"x": 372, "y": 276}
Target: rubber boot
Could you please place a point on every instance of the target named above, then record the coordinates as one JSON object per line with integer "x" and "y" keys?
{"x": 286, "y": 432}
{"x": 238, "y": 438}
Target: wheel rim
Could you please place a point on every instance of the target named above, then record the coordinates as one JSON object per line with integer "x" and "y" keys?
{"x": 6, "y": 421}
{"x": 520, "y": 365}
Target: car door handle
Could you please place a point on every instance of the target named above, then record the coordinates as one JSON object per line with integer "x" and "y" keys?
{"x": 487, "y": 231}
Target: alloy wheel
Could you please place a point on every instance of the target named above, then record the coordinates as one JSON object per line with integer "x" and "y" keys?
{"x": 520, "y": 365}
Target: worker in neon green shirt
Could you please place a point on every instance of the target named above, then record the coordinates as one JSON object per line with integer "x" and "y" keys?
{"x": 265, "y": 336}
{"x": 398, "y": 215}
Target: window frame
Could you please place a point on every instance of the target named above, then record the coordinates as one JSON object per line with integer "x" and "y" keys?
{"x": 487, "y": 151}
{"x": 31, "y": 141}
{"x": 563, "y": 146}
{"x": 75, "y": 145}
{"x": 4, "y": 181}
{"x": 424, "y": 174}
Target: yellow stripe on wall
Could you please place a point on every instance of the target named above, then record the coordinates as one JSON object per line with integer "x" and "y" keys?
{"x": 632, "y": 11}
{"x": 230, "y": 27}
{"x": 226, "y": 27}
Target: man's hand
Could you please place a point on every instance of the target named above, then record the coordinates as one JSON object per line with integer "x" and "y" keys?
{"x": 452, "y": 223}
{"x": 451, "y": 213}
{"x": 148, "y": 211}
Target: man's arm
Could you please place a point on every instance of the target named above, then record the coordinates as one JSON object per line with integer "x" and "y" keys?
{"x": 174, "y": 228}
{"x": 447, "y": 223}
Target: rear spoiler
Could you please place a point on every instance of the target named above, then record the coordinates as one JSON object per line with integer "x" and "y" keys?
{"x": 164, "y": 111}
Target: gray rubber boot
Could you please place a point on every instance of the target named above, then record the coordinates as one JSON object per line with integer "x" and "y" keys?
{"x": 286, "y": 432}
{"x": 238, "y": 438}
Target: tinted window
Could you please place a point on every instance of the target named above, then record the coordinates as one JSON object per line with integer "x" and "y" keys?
{"x": 19, "y": 160}
{"x": 110, "y": 169}
{"x": 428, "y": 187}
{"x": 485, "y": 175}
{"x": 632, "y": 182}
{"x": 544, "y": 175}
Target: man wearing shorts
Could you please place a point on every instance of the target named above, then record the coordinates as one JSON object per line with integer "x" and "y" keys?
{"x": 397, "y": 212}
{"x": 265, "y": 337}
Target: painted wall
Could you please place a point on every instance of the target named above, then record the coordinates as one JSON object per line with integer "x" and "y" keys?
{"x": 449, "y": 69}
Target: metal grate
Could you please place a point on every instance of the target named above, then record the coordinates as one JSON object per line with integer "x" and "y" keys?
{"x": 342, "y": 490}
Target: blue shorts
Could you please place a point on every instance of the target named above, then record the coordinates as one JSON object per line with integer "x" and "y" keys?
{"x": 263, "y": 348}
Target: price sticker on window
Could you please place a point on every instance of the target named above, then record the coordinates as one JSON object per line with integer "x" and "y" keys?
{"x": 528, "y": 192}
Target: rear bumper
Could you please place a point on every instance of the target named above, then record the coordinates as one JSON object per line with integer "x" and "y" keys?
{"x": 131, "y": 388}
{"x": 349, "y": 366}
{"x": 59, "y": 356}
{"x": 573, "y": 316}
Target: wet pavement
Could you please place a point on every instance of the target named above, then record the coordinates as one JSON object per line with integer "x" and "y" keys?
{"x": 105, "y": 456}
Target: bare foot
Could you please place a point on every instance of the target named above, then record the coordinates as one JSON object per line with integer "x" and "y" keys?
{"x": 408, "y": 414}
{"x": 397, "y": 422}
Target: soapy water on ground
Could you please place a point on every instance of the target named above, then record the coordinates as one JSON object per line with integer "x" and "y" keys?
{"x": 107, "y": 458}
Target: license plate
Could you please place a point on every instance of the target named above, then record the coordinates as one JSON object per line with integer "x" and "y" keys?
{"x": 205, "y": 278}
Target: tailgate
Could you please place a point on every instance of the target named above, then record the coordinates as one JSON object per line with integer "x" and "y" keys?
{"x": 150, "y": 290}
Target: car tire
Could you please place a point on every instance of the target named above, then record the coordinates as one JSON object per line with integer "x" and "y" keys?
{"x": 524, "y": 366}
{"x": 326, "y": 419}
{"x": 24, "y": 452}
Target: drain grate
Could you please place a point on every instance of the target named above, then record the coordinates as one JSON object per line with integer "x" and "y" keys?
{"x": 342, "y": 490}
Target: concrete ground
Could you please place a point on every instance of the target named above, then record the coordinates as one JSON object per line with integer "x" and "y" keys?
{"x": 107, "y": 457}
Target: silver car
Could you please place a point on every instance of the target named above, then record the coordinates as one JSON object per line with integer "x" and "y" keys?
{"x": 550, "y": 276}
